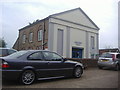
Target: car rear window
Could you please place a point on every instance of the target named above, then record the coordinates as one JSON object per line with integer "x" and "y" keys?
{"x": 16, "y": 54}
{"x": 106, "y": 55}
{"x": 11, "y": 51}
{"x": 118, "y": 56}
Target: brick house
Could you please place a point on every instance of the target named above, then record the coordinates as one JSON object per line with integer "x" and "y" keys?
{"x": 33, "y": 36}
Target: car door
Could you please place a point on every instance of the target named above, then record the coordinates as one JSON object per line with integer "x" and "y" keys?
{"x": 56, "y": 65}
{"x": 37, "y": 61}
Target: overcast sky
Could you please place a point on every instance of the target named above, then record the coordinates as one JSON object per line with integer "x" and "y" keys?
{"x": 15, "y": 14}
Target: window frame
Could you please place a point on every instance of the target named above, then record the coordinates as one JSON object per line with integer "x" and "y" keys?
{"x": 24, "y": 38}
{"x": 31, "y": 37}
{"x": 40, "y": 35}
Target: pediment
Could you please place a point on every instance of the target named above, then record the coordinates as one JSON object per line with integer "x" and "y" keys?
{"x": 76, "y": 16}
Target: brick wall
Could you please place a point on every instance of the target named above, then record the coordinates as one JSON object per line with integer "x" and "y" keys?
{"x": 32, "y": 28}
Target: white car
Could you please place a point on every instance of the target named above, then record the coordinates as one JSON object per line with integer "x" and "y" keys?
{"x": 110, "y": 60}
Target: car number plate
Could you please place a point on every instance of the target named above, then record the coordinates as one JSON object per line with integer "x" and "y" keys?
{"x": 104, "y": 60}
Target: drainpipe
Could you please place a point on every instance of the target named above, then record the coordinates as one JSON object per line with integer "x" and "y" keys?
{"x": 43, "y": 42}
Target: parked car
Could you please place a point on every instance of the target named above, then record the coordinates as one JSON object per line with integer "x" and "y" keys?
{"x": 6, "y": 51}
{"x": 110, "y": 60}
{"x": 30, "y": 65}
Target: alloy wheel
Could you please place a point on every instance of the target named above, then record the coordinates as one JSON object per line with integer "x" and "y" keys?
{"x": 28, "y": 77}
{"x": 77, "y": 72}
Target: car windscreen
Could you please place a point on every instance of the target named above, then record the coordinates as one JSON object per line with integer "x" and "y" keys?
{"x": 106, "y": 55}
{"x": 16, "y": 54}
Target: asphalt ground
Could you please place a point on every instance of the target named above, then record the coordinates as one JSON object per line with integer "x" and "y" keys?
{"x": 91, "y": 78}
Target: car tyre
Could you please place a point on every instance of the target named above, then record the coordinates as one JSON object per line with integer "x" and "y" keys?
{"x": 27, "y": 77}
{"x": 77, "y": 72}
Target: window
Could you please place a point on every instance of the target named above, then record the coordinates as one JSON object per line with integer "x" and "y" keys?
{"x": 31, "y": 37}
{"x": 106, "y": 55}
{"x": 35, "y": 56}
{"x": 40, "y": 35}
{"x": 52, "y": 56}
{"x": 24, "y": 38}
{"x": 118, "y": 56}
{"x": 17, "y": 54}
{"x": 11, "y": 51}
{"x": 92, "y": 42}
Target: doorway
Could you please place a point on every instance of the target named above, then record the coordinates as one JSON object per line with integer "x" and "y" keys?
{"x": 77, "y": 52}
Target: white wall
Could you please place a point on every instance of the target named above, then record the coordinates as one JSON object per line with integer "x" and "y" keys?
{"x": 55, "y": 28}
{"x": 95, "y": 50}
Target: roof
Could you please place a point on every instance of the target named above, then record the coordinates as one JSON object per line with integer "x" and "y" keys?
{"x": 74, "y": 10}
{"x": 34, "y": 23}
{"x": 50, "y": 16}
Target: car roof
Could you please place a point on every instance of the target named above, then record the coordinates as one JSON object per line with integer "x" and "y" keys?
{"x": 35, "y": 50}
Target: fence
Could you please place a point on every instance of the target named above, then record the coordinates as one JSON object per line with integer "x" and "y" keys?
{"x": 86, "y": 62}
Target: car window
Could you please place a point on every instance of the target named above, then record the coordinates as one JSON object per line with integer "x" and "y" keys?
{"x": 16, "y": 54}
{"x": 3, "y": 52}
{"x": 118, "y": 56}
{"x": 50, "y": 56}
{"x": 35, "y": 56}
{"x": 11, "y": 51}
{"x": 106, "y": 55}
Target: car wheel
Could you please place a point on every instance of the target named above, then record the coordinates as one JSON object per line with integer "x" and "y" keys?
{"x": 77, "y": 72}
{"x": 27, "y": 77}
{"x": 117, "y": 67}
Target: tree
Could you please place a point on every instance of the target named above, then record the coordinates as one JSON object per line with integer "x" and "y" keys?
{"x": 3, "y": 44}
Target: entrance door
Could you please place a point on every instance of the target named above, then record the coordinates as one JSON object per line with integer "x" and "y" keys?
{"x": 77, "y": 52}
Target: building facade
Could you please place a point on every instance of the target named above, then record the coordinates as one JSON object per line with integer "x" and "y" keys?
{"x": 71, "y": 34}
